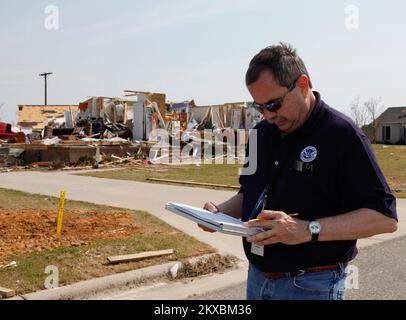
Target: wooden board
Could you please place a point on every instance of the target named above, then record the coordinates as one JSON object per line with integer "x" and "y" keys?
{"x": 37, "y": 116}
{"x": 139, "y": 256}
{"x": 6, "y": 293}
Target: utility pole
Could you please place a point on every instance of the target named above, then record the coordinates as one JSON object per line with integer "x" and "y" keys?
{"x": 45, "y": 75}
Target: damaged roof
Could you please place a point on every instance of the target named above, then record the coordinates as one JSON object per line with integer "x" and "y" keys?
{"x": 393, "y": 115}
{"x": 37, "y": 116}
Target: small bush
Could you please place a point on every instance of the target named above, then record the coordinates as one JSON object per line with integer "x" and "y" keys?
{"x": 86, "y": 161}
{"x": 56, "y": 165}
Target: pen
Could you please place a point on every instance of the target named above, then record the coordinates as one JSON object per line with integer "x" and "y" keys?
{"x": 260, "y": 204}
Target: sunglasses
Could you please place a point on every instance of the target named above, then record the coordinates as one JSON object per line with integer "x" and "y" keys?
{"x": 274, "y": 104}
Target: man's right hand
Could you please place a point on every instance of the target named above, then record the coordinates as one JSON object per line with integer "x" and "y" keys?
{"x": 209, "y": 206}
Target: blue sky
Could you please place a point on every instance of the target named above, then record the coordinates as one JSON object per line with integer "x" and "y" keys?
{"x": 196, "y": 49}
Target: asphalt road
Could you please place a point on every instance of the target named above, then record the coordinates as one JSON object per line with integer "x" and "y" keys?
{"x": 382, "y": 275}
{"x": 375, "y": 283}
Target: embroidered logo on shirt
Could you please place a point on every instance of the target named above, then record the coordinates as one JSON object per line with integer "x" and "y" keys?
{"x": 308, "y": 154}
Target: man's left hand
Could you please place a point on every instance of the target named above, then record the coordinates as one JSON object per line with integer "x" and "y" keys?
{"x": 279, "y": 228}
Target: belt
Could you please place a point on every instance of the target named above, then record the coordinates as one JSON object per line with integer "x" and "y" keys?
{"x": 278, "y": 275}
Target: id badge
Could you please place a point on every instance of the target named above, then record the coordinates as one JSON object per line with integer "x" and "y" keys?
{"x": 256, "y": 249}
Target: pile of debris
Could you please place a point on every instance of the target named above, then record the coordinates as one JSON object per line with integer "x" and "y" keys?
{"x": 73, "y": 157}
{"x": 102, "y": 127}
{"x": 10, "y": 157}
{"x": 97, "y": 118}
{"x": 186, "y": 116}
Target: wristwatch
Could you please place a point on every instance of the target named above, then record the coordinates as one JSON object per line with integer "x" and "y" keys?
{"x": 314, "y": 228}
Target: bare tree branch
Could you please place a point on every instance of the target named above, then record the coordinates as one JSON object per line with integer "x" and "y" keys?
{"x": 358, "y": 113}
{"x": 374, "y": 108}
{"x": 1, "y": 109}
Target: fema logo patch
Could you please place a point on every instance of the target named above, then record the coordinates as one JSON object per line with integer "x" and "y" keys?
{"x": 308, "y": 154}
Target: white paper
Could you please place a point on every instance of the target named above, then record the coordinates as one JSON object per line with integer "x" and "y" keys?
{"x": 217, "y": 221}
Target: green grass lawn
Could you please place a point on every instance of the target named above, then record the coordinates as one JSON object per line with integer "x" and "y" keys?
{"x": 225, "y": 174}
{"x": 392, "y": 160}
{"x": 89, "y": 261}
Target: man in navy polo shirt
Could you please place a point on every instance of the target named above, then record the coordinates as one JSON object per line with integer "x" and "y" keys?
{"x": 317, "y": 187}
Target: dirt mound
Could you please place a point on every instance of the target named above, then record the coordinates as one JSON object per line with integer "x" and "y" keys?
{"x": 25, "y": 231}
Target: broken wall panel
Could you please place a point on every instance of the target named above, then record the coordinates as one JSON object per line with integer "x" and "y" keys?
{"x": 160, "y": 100}
{"x": 37, "y": 116}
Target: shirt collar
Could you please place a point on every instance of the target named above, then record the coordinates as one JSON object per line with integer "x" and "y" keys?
{"x": 310, "y": 123}
{"x": 314, "y": 117}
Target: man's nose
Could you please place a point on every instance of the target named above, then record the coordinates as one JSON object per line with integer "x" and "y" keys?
{"x": 268, "y": 115}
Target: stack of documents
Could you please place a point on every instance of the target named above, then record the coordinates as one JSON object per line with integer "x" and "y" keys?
{"x": 216, "y": 221}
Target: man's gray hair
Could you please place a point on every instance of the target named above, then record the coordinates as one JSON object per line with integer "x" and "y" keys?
{"x": 282, "y": 60}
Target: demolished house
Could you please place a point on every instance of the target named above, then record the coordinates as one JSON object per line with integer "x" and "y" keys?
{"x": 216, "y": 127}
{"x": 100, "y": 128}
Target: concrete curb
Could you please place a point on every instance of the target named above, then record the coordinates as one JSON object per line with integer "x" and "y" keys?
{"x": 92, "y": 286}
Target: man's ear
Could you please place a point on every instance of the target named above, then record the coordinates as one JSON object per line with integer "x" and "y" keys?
{"x": 304, "y": 84}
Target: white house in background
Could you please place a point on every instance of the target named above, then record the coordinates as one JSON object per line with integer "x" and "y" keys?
{"x": 391, "y": 126}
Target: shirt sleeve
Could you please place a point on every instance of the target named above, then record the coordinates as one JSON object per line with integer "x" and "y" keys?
{"x": 361, "y": 181}
{"x": 241, "y": 187}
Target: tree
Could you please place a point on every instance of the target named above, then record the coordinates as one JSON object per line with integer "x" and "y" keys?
{"x": 373, "y": 107}
{"x": 1, "y": 109}
{"x": 364, "y": 115}
{"x": 358, "y": 113}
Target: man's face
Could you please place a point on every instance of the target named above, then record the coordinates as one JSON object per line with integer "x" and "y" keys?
{"x": 293, "y": 111}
